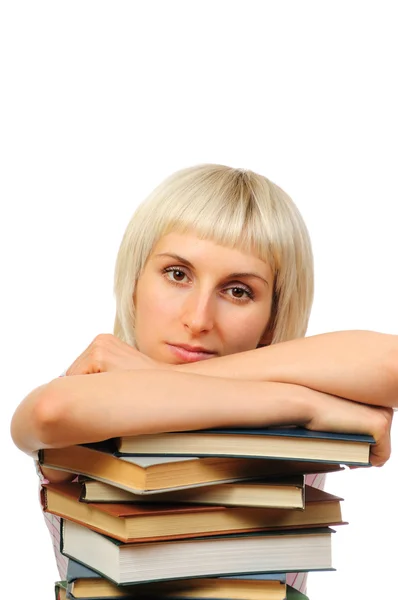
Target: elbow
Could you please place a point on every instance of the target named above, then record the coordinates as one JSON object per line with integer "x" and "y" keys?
{"x": 47, "y": 416}
{"x": 37, "y": 421}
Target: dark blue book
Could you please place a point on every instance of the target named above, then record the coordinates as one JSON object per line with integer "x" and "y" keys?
{"x": 286, "y": 443}
{"x": 86, "y": 584}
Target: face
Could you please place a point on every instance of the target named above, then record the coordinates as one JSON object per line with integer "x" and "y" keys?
{"x": 196, "y": 300}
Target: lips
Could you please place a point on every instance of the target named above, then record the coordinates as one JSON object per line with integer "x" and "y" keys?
{"x": 193, "y": 348}
{"x": 190, "y": 353}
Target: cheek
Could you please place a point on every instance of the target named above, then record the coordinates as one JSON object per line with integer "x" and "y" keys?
{"x": 153, "y": 306}
{"x": 244, "y": 332}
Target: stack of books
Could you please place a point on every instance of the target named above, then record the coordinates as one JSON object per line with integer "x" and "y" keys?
{"x": 201, "y": 514}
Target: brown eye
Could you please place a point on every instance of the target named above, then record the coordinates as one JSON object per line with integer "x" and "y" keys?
{"x": 175, "y": 275}
{"x": 238, "y": 292}
{"x": 178, "y": 275}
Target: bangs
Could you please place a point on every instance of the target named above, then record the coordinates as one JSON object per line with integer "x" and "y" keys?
{"x": 230, "y": 218}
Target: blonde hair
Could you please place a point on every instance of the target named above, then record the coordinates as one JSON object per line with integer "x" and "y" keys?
{"x": 232, "y": 207}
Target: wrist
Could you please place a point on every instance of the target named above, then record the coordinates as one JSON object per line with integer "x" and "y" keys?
{"x": 279, "y": 405}
{"x": 300, "y": 402}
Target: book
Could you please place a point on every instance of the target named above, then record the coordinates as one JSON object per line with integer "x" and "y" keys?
{"x": 278, "y": 493}
{"x": 260, "y": 552}
{"x": 60, "y": 589}
{"x": 294, "y": 443}
{"x": 132, "y": 523}
{"x": 255, "y": 590}
{"x": 145, "y": 475}
{"x": 86, "y": 584}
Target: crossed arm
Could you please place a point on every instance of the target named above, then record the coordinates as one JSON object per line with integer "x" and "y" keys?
{"x": 357, "y": 365}
{"x": 342, "y": 381}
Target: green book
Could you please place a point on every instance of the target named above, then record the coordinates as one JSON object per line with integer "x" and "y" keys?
{"x": 60, "y": 589}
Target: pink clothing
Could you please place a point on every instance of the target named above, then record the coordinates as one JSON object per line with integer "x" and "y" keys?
{"x": 54, "y": 527}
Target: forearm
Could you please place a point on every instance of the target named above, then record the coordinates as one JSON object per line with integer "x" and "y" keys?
{"x": 357, "y": 365}
{"x": 89, "y": 408}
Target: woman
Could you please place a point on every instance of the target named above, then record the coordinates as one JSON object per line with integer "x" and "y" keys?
{"x": 214, "y": 286}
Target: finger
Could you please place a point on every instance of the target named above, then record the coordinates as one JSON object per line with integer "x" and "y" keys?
{"x": 76, "y": 368}
{"x": 381, "y": 452}
{"x": 81, "y": 365}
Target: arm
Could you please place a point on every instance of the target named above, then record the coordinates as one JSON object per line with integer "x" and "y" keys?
{"x": 81, "y": 409}
{"x": 357, "y": 365}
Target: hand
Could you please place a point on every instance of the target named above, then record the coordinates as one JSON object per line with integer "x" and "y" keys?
{"x": 381, "y": 451}
{"x": 107, "y": 353}
{"x": 332, "y": 413}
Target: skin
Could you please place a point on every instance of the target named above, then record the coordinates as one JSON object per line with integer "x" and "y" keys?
{"x": 190, "y": 303}
{"x": 343, "y": 381}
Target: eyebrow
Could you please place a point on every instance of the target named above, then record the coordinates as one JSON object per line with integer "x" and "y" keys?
{"x": 186, "y": 262}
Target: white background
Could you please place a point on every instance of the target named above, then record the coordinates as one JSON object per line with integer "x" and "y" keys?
{"x": 99, "y": 102}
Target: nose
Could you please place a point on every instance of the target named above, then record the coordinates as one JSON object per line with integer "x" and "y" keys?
{"x": 198, "y": 312}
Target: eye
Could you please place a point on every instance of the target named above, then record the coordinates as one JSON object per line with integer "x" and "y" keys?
{"x": 240, "y": 293}
{"x": 174, "y": 274}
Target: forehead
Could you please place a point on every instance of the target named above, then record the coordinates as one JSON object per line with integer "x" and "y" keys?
{"x": 205, "y": 252}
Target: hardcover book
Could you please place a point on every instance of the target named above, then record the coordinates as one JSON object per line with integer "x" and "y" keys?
{"x": 60, "y": 590}
{"x": 132, "y": 523}
{"x": 86, "y": 584}
{"x": 278, "y": 493}
{"x": 294, "y": 443}
{"x": 234, "y": 554}
{"x": 145, "y": 475}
